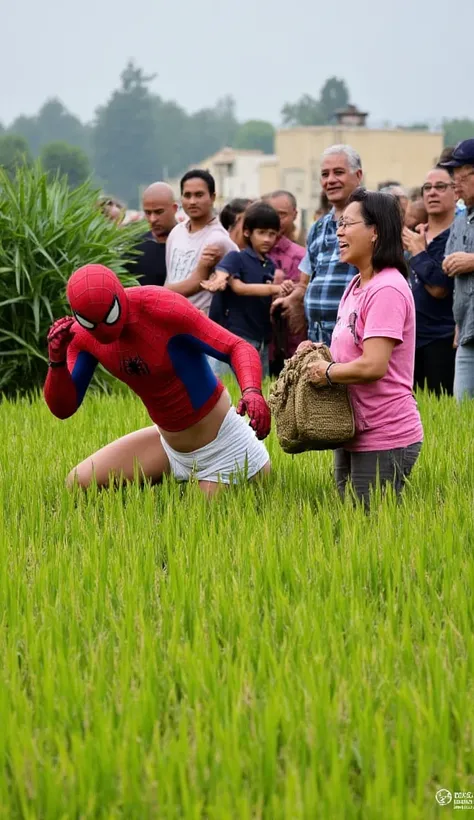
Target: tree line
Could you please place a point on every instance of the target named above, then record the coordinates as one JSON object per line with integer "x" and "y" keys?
{"x": 137, "y": 136}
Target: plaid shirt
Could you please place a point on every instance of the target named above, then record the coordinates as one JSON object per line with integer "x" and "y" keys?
{"x": 287, "y": 256}
{"x": 329, "y": 279}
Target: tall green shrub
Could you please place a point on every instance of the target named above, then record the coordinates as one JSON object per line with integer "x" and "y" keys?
{"x": 46, "y": 232}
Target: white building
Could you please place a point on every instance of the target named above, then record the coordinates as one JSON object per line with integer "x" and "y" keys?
{"x": 237, "y": 174}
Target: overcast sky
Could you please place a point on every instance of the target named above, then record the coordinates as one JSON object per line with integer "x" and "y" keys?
{"x": 263, "y": 52}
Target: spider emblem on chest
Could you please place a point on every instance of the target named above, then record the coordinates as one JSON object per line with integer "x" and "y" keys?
{"x": 134, "y": 366}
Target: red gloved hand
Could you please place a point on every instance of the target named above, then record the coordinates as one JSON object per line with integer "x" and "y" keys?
{"x": 258, "y": 411}
{"x": 59, "y": 338}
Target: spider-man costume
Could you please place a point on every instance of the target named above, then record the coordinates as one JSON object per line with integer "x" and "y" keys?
{"x": 155, "y": 341}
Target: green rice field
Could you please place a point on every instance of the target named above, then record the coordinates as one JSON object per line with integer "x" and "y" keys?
{"x": 271, "y": 654}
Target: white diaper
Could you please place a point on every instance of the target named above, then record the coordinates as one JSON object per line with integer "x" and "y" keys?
{"x": 234, "y": 454}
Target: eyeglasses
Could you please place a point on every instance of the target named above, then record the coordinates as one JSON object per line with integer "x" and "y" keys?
{"x": 459, "y": 178}
{"x": 343, "y": 223}
{"x": 438, "y": 186}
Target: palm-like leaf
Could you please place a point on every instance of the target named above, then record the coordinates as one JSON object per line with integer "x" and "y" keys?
{"x": 46, "y": 232}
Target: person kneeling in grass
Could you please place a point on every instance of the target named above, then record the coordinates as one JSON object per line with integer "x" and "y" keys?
{"x": 373, "y": 347}
{"x": 244, "y": 306}
{"x": 158, "y": 343}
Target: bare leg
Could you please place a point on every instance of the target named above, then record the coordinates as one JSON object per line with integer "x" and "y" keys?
{"x": 141, "y": 451}
{"x": 212, "y": 488}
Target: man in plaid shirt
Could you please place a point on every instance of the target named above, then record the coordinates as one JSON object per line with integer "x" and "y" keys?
{"x": 323, "y": 277}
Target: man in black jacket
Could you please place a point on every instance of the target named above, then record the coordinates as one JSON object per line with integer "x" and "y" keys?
{"x": 159, "y": 206}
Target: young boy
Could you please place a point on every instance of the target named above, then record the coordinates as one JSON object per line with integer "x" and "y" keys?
{"x": 244, "y": 306}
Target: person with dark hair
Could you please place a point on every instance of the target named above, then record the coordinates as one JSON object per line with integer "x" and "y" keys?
{"x": 388, "y": 183}
{"x": 432, "y": 288}
{"x": 445, "y": 156}
{"x": 459, "y": 264}
{"x": 204, "y": 176}
{"x": 285, "y": 205}
{"x": 243, "y": 307}
{"x": 286, "y": 253}
{"x": 399, "y": 192}
{"x": 373, "y": 348}
{"x": 194, "y": 247}
{"x": 111, "y": 208}
{"x": 415, "y": 213}
{"x": 231, "y": 218}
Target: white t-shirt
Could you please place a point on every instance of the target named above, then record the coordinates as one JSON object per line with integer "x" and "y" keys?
{"x": 183, "y": 250}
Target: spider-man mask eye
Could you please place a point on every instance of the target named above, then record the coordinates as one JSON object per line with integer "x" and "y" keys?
{"x": 84, "y": 322}
{"x": 98, "y": 301}
{"x": 114, "y": 313}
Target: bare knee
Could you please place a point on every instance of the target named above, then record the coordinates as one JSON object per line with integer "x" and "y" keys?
{"x": 80, "y": 476}
{"x": 212, "y": 488}
{"x": 266, "y": 470}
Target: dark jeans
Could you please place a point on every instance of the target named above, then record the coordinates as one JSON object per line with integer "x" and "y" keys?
{"x": 434, "y": 363}
{"x": 363, "y": 469}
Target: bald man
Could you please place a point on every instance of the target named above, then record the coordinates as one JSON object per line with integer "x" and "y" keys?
{"x": 160, "y": 209}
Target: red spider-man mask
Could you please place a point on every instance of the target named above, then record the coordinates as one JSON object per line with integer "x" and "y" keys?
{"x": 98, "y": 301}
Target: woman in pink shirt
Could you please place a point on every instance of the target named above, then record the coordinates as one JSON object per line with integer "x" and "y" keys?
{"x": 373, "y": 347}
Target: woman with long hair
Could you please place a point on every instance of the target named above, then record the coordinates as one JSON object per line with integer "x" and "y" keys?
{"x": 373, "y": 348}
{"x": 232, "y": 217}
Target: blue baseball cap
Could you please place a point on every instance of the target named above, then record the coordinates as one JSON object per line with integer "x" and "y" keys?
{"x": 463, "y": 154}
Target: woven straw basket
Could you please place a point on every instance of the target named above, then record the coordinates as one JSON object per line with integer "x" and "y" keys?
{"x": 309, "y": 417}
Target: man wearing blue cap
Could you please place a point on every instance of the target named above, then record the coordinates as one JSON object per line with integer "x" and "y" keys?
{"x": 459, "y": 263}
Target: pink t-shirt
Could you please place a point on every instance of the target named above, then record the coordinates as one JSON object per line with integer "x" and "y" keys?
{"x": 386, "y": 413}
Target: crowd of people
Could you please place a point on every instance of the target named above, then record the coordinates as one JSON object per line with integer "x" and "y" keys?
{"x": 386, "y": 281}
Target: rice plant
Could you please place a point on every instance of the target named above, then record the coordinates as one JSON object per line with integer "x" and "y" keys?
{"x": 272, "y": 654}
{"x": 46, "y": 232}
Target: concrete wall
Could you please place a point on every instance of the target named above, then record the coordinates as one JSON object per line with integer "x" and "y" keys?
{"x": 244, "y": 180}
{"x": 396, "y": 154}
{"x": 269, "y": 176}
{"x": 386, "y": 154}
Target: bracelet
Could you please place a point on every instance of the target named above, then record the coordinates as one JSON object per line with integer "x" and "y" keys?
{"x": 57, "y": 364}
{"x": 328, "y": 378}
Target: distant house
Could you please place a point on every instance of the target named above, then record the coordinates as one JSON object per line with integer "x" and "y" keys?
{"x": 390, "y": 153}
{"x": 237, "y": 173}
{"x": 351, "y": 116}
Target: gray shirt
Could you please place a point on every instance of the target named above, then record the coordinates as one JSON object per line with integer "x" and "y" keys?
{"x": 461, "y": 238}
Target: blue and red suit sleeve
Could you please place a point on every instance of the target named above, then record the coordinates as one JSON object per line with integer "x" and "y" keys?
{"x": 65, "y": 387}
{"x": 188, "y": 323}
